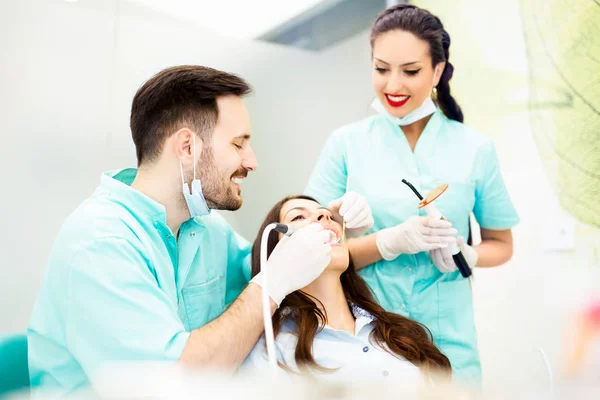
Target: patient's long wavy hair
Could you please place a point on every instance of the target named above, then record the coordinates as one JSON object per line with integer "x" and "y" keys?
{"x": 396, "y": 334}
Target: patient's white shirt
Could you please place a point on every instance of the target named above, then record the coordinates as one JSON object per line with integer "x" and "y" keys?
{"x": 354, "y": 357}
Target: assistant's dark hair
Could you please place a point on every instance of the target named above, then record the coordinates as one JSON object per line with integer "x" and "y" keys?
{"x": 427, "y": 27}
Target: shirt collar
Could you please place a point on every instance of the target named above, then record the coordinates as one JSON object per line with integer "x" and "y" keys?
{"x": 356, "y": 311}
{"x": 360, "y": 313}
{"x": 118, "y": 185}
{"x": 363, "y": 318}
{"x": 426, "y": 143}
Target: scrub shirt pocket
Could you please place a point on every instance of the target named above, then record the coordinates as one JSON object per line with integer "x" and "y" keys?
{"x": 203, "y": 302}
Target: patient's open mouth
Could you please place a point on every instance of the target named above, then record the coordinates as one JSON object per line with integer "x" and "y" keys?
{"x": 334, "y": 239}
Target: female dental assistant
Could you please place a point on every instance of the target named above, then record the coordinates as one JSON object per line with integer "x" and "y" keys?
{"x": 411, "y": 138}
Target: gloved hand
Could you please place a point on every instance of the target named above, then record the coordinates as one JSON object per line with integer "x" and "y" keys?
{"x": 442, "y": 258}
{"x": 354, "y": 209}
{"x": 296, "y": 261}
{"x": 414, "y": 235}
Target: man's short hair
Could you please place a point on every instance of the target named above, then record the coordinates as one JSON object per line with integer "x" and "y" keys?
{"x": 178, "y": 97}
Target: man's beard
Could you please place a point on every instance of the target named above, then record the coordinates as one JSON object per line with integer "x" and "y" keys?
{"x": 219, "y": 193}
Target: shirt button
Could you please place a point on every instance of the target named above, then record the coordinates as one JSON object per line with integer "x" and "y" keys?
{"x": 409, "y": 269}
{"x": 193, "y": 234}
{"x": 403, "y": 306}
{"x": 169, "y": 236}
{"x": 365, "y": 349}
{"x": 385, "y": 373}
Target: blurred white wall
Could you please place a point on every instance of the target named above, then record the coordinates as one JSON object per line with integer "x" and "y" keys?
{"x": 67, "y": 78}
{"x": 69, "y": 72}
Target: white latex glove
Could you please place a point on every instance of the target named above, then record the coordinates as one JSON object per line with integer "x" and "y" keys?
{"x": 296, "y": 261}
{"x": 442, "y": 258}
{"x": 354, "y": 209}
{"x": 414, "y": 235}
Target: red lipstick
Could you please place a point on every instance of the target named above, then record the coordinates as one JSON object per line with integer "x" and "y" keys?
{"x": 396, "y": 103}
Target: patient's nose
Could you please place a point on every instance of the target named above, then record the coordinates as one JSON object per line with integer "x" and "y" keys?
{"x": 322, "y": 217}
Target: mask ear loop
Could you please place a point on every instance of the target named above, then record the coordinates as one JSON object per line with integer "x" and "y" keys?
{"x": 181, "y": 168}
{"x": 181, "y": 165}
{"x": 194, "y": 155}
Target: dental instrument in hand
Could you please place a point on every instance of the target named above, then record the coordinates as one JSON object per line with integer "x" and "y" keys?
{"x": 287, "y": 230}
{"x": 427, "y": 204}
{"x": 266, "y": 302}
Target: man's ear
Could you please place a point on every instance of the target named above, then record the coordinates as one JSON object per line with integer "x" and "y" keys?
{"x": 182, "y": 144}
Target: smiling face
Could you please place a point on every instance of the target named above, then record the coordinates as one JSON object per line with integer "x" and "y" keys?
{"x": 302, "y": 212}
{"x": 403, "y": 75}
{"x": 228, "y": 159}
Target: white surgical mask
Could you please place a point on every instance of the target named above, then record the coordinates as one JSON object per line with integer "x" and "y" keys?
{"x": 424, "y": 110}
{"x": 194, "y": 200}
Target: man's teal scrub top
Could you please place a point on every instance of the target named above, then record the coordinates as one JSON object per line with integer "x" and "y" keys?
{"x": 120, "y": 286}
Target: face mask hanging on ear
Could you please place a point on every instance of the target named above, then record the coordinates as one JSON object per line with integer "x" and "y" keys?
{"x": 194, "y": 200}
{"x": 424, "y": 110}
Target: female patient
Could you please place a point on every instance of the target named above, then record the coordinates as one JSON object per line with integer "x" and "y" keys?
{"x": 333, "y": 328}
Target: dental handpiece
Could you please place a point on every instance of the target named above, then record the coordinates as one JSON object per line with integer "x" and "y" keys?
{"x": 427, "y": 205}
{"x": 284, "y": 229}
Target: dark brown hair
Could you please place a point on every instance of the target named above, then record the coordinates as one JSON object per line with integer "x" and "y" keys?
{"x": 176, "y": 97}
{"x": 402, "y": 336}
{"x": 427, "y": 27}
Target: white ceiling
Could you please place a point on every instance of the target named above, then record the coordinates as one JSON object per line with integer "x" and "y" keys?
{"x": 245, "y": 19}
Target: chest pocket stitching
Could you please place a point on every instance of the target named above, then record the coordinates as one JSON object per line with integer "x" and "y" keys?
{"x": 198, "y": 292}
